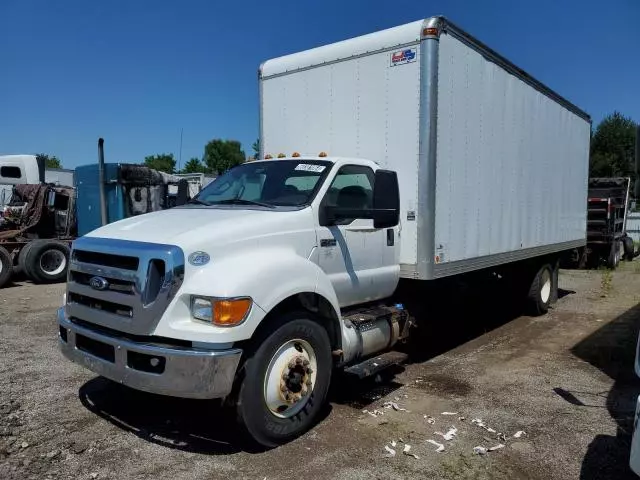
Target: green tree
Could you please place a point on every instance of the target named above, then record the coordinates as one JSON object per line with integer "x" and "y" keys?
{"x": 194, "y": 165}
{"x": 221, "y": 155}
{"x": 256, "y": 148}
{"x": 612, "y": 147}
{"x": 49, "y": 161}
{"x": 163, "y": 162}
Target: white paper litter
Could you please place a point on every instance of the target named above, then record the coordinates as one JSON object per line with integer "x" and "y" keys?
{"x": 392, "y": 452}
{"x": 461, "y": 419}
{"x": 481, "y": 424}
{"x": 397, "y": 399}
{"x": 519, "y": 434}
{"x": 395, "y": 406}
{"x": 502, "y": 437}
{"x": 479, "y": 450}
{"x": 406, "y": 452}
{"x": 429, "y": 419}
{"x": 449, "y": 413}
{"x": 374, "y": 413}
{"x": 496, "y": 447}
{"x": 449, "y": 435}
{"x": 393, "y": 443}
{"x": 439, "y": 445}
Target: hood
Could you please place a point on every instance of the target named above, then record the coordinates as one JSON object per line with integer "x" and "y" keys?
{"x": 192, "y": 226}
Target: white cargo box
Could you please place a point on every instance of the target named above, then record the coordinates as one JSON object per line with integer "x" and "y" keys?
{"x": 493, "y": 165}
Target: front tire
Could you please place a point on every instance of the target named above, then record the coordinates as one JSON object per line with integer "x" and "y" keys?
{"x": 285, "y": 380}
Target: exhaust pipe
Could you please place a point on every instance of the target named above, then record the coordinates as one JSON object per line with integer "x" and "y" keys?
{"x": 103, "y": 195}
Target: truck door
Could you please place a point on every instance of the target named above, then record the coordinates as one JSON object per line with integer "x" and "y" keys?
{"x": 352, "y": 252}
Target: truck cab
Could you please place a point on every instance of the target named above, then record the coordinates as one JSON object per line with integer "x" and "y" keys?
{"x": 298, "y": 238}
{"x": 18, "y": 170}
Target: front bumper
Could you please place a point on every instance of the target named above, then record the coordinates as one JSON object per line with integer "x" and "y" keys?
{"x": 174, "y": 371}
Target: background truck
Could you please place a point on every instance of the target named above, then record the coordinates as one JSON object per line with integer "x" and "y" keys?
{"x": 27, "y": 169}
{"x": 40, "y": 219}
{"x": 608, "y": 206}
{"x": 394, "y": 162}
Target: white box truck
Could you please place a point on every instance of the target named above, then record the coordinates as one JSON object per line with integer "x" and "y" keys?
{"x": 415, "y": 152}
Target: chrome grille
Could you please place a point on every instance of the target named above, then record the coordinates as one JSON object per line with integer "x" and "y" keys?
{"x": 137, "y": 281}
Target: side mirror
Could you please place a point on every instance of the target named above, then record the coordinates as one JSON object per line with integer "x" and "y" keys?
{"x": 386, "y": 199}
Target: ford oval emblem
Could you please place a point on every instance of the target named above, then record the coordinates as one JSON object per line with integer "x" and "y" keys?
{"x": 199, "y": 259}
{"x": 98, "y": 283}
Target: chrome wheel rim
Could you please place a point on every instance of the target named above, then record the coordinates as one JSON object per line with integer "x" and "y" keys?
{"x": 53, "y": 262}
{"x": 545, "y": 290}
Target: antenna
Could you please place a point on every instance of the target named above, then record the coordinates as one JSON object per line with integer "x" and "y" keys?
{"x": 180, "y": 153}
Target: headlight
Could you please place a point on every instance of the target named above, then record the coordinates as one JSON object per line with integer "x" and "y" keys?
{"x": 224, "y": 312}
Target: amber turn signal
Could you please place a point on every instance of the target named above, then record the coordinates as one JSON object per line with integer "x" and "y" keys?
{"x": 231, "y": 312}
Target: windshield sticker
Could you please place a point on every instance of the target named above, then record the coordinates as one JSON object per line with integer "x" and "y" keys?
{"x": 306, "y": 167}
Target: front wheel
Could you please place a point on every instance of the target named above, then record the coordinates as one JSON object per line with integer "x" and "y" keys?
{"x": 284, "y": 382}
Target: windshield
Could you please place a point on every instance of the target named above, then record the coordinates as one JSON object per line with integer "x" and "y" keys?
{"x": 269, "y": 184}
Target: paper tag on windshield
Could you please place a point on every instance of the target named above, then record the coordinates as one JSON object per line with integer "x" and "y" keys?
{"x": 306, "y": 167}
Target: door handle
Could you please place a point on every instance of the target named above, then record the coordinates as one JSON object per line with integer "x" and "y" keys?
{"x": 390, "y": 237}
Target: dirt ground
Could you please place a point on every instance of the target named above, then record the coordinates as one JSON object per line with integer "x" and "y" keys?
{"x": 566, "y": 379}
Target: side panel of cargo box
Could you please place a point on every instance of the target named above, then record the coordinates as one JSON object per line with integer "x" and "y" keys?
{"x": 511, "y": 165}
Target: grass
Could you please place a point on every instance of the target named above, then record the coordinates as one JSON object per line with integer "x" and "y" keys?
{"x": 606, "y": 282}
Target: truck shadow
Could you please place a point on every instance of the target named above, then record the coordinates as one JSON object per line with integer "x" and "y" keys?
{"x": 612, "y": 350}
{"x": 452, "y": 315}
{"x": 198, "y": 426}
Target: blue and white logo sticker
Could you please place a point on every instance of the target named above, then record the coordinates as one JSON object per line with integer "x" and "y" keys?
{"x": 402, "y": 57}
{"x": 198, "y": 259}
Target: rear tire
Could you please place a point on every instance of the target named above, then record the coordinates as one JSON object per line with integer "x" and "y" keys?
{"x": 279, "y": 399}
{"x": 6, "y": 267}
{"x": 22, "y": 267}
{"x": 614, "y": 255}
{"x": 629, "y": 249}
{"x": 541, "y": 292}
{"x": 47, "y": 261}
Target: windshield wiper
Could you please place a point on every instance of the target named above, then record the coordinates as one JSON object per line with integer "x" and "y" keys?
{"x": 241, "y": 201}
{"x": 197, "y": 201}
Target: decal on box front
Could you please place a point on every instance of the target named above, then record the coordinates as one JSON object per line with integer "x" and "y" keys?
{"x": 402, "y": 57}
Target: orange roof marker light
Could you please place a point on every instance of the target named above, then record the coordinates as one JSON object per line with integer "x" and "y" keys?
{"x": 281, "y": 155}
{"x": 268, "y": 157}
{"x": 295, "y": 154}
{"x": 322, "y": 154}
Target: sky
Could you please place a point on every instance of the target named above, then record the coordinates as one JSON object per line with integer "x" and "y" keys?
{"x": 137, "y": 72}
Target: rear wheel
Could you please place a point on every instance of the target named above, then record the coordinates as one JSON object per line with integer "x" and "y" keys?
{"x": 47, "y": 261}
{"x": 22, "y": 267}
{"x": 615, "y": 253}
{"x": 541, "y": 291}
{"x": 6, "y": 266}
{"x": 627, "y": 243}
{"x": 284, "y": 381}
